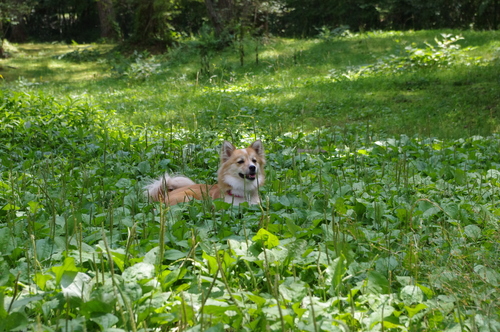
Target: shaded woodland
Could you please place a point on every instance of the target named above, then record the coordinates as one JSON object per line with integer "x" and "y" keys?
{"x": 165, "y": 21}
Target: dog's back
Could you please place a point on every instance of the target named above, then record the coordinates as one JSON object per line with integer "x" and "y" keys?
{"x": 195, "y": 191}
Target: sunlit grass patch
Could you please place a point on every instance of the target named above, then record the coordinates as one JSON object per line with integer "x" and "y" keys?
{"x": 39, "y": 63}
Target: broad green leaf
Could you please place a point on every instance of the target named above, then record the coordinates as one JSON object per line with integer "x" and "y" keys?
{"x": 41, "y": 280}
{"x": 227, "y": 260}
{"x": 363, "y": 152}
{"x": 293, "y": 290}
{"x": 486, "y": 323}
{"x": 151, "y": 256}
{"x": 96, "y": 307}
{"x": 427, "y": 291}
{"x": 44, "y": 248}
{"x": 174, "y": 254}
{"x": 213, "y": 307}
{"x": 144, "y": 167}
{"x": 170, "y": 278}
{"x": 487, "y": 274}
{"x": 212, "y": 263}
{"x": 377, "y": 283}
{"x": 335, "y": 273}
{"x": 105, "y": 321}
{"x": 68, "y": 267}
{"x": 473, "y": 232}
{"x": 77, "y": 285}
{"x": 124, "y": 183}
{"x": 379, "y": 315}
{"x": 219, "y": 327}
{"x": 392, "y": 325}
{"x": 132, "y": 290}
{"x": 73, "y": 325}
{"x": 268, "y": 239}
{"x": 292, "y": 227}
{"x": 460, "y": 176}
{"x": 260, "y": 301}
{"x": 385, "y": 265}
{"x": 412, "y": 311}
{"x": 298, "y": 310}
{"x": 10, "y": 207}
{"x": 15, "y": 321}
{"x": 411, "y": 295}
{"x": 33, "y": 207}
{"x": 118, "y": 258}
{"x": 138, "y": 272}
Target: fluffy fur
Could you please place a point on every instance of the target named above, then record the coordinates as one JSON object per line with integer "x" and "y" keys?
{"x": 240, "y": 175}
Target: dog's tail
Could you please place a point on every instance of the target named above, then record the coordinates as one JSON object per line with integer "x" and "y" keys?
{"x": 158, "y": 188}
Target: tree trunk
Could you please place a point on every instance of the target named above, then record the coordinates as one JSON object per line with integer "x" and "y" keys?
{"x": 495, "y": 15}
{"x": 221, "y": 14}
{"x": 18, "y": 33}
{"x": 106, "y": 18}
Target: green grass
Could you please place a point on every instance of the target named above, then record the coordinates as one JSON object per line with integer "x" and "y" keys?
{"x": 314, "y": 82}
{"x": 392, "y": 225}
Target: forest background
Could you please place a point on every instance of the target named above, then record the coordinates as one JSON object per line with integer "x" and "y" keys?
{"x": 380, "y": 121}
{"x": 164, "y": 21}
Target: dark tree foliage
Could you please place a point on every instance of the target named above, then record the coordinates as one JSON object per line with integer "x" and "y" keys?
{"x": 189, "y": 16}
{"x": 12, "y": 23}
{"x": 144, "y": 21}
{"x": 303, "y": 18}
{"x": 63, "y": 20}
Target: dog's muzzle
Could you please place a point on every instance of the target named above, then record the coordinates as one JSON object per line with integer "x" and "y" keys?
{"x": 251, "y": 175}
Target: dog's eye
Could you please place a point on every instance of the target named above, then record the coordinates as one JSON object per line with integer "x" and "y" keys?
{"x": 254, "y": 160}
{"x": 241, "y": 161}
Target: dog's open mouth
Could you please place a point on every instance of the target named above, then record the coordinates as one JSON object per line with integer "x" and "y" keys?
{"x": 249, "y": 176}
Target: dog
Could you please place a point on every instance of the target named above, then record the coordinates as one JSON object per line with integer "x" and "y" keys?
{"x": 240, "y": 175}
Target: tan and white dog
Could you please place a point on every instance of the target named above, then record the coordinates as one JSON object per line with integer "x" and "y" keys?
{"x": 240, "y": 175}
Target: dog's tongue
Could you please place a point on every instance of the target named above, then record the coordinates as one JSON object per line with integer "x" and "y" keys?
{"x": 248, "y": 176}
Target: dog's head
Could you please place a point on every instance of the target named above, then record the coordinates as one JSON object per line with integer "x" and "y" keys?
{"x": 243, "y": 164}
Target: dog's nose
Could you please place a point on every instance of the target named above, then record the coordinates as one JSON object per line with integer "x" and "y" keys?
{"x": 252, "y": 168}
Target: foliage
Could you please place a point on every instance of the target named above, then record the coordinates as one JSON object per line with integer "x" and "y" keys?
{"x": 162, "y": 22}
{"x": 12, "y": 12}
{"x": 151, "y": 21}
{"x": 360, "y": 228}
{"x": 374, "y": 233}
{"x": 325, "y": 33}
{"x": 55, "y": 20}
{"x": 81, "y": 55}
{"x": 137, "y": 66}
{"x": 446, "y": 53}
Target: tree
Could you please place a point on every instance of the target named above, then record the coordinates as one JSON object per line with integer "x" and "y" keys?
{"x": 107, "y": 19}
{"x": 12, "y": 15}
{"x": 229, "y": 16}
{"x": 145, "y": 21}
{"x": 221, "y": 14}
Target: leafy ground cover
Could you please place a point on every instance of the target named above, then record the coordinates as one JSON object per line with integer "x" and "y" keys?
{"x": 388, "y": 221}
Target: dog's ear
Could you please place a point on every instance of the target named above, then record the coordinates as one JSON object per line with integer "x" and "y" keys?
{"x": 227, "y": 151}
{"x": 258, "y": 147}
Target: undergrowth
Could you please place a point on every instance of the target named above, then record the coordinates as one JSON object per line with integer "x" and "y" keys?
{"x": 379, "y": 213}
{"x": 362, "y": 232}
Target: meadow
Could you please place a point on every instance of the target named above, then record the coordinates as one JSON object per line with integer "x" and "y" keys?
{"x": 380, "y": 210}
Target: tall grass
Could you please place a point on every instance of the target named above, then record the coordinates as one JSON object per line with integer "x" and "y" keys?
{"x": 306, "y": 83}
